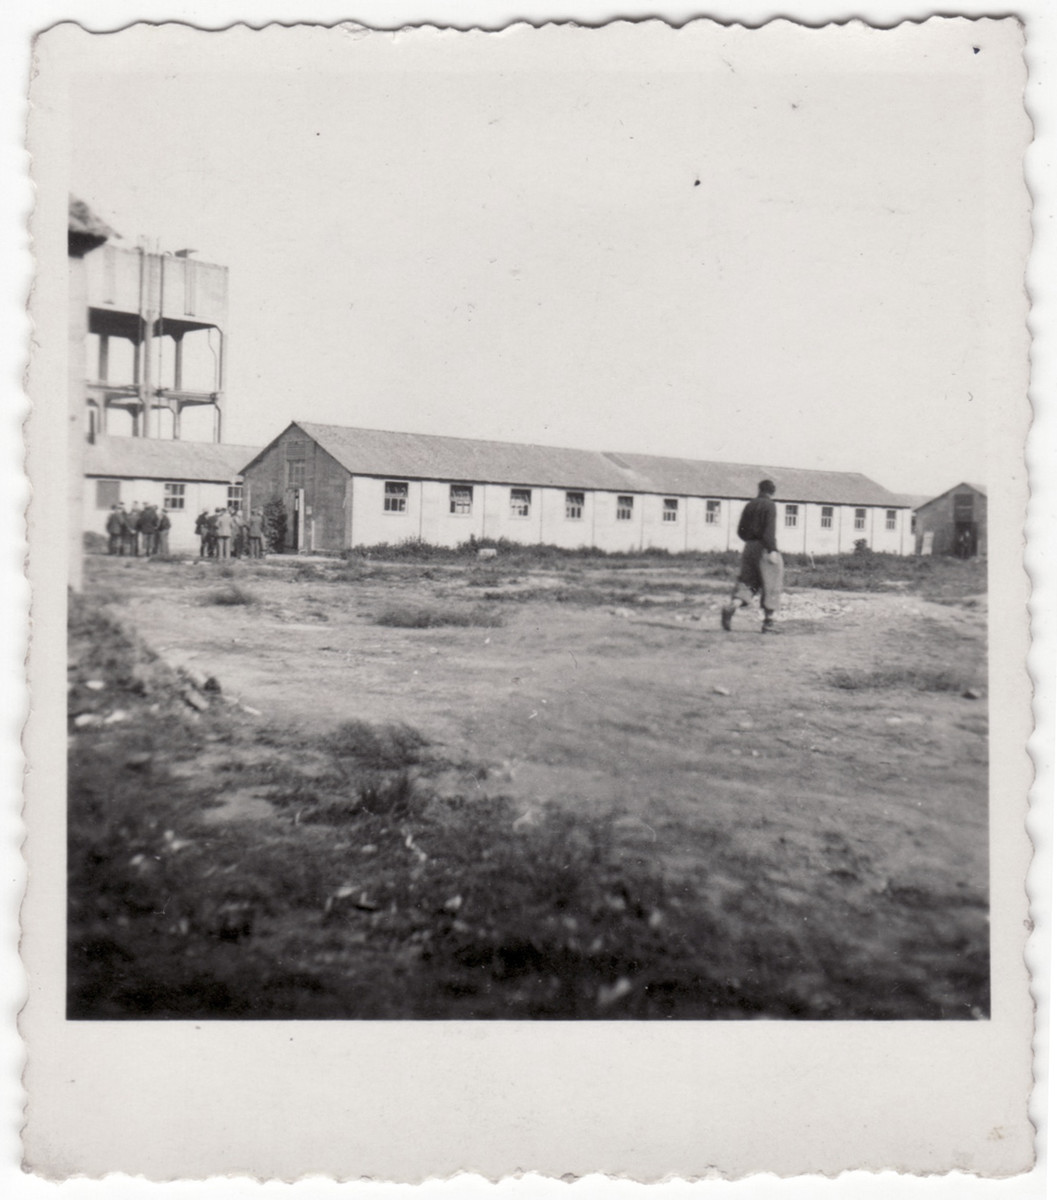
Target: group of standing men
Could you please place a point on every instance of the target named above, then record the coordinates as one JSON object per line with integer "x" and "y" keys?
{"x": 137, "y": 530}
{"x": 229, "y": 532}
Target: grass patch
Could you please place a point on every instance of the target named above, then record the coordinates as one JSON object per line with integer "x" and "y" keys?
{"x": 406, "y": 616}
{"x": 934, "y": 577}
{"x": 229, "y": 596}
{"x": 917, "y": 679}
{"x": 516, "y": 555}
{"x": 377, "y": 747}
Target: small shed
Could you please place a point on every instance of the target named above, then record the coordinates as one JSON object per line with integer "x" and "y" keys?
{"x": 955, "y": 522}
{"x": 181, "y": 478}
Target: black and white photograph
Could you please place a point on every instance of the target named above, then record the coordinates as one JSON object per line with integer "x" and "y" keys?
{"x": 536, "y": 514}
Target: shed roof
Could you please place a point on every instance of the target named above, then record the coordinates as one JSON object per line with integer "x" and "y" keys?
{"x": 973, "y": 487}
{"x": 154, "y": 458}
{"x": 428, "y": 456}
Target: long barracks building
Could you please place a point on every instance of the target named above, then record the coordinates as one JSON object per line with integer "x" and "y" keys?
{"x": 346, "y": 487}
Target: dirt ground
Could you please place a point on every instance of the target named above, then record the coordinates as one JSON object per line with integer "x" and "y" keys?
{"x": 828, "y": 784}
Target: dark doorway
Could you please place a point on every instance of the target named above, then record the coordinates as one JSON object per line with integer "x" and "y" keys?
{"x": 295, "y": 518}
{"x": 965, "y": 539}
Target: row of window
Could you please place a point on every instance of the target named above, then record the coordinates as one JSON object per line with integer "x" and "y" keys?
{"x": 174, "y": 495}
{"x": 460, "y": 503}
{"x": 826, "y": 518}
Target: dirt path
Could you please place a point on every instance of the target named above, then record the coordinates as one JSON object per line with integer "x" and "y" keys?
{"x": 862, "y": 807}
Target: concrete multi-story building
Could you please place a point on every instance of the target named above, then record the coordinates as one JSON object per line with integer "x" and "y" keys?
{"x": 345, "y": 487}
{"x": 156, "y": 330}
{"x": 86, "y": 233}
{"x": 150, "y": 333}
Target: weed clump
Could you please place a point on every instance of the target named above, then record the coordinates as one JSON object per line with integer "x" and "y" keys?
{"x": 229, "y": 596}
{"x": 917, "y": 679}
{"x": 376, "y": 747}
{"x": 424, "y": 617}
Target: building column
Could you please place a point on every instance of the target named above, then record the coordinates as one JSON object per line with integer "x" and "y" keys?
{"x": 75, "y": 423}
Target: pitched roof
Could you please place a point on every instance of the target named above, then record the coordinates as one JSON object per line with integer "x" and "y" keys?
{"x": 692, "y": 477}
{"x": 154, "y": 458}
{"x": 428, "y": 456}
{"x": 973, "y": 487}
{"x": 914, "y": 499}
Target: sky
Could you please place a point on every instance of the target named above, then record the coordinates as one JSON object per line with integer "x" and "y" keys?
{"x": 790, "y": 261}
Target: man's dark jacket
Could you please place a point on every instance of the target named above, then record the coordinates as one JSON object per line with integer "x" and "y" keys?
{"x": 758, "y": 521}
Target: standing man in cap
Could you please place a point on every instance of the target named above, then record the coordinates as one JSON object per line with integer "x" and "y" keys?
{"x": 115, "y": 526}
{"x": 131, "y": 534}
{"x": 761, "y": 564}
{"x": 224, "y": 526}
{"x": 148, "y": 528}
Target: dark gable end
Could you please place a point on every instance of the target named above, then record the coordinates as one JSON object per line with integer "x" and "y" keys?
{"x": 943, "y": 496}
{"x": 265, "y": 450}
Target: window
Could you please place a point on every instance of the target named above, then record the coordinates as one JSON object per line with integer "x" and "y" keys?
{"x": 520, "y": 502}
{"x": 461, "y": 503}
{"x": 711, "y": 512}
{"x": 295, "y": 473}
{"x": 624, "y": 506}
{"x": 107, "y": 493}
{"x": 860, "y": 518}
{"x": 395, "y": 497}
{"x": 175, "y": 494}
{"x": 792, "y": 515}
{"x": 890, "y": 519}
{"x": 671, "y": 510}
{"x": 827, "y": 516}
{"x": 235, "y": 496}
{"x": 574, "y": 506}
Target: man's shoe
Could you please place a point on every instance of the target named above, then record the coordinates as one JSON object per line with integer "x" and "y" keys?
{"x": 770, "y": 627}
{"x": 725, "y": 615}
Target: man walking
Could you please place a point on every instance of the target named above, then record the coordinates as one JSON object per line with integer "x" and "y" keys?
{"x": 761, "y": 564}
